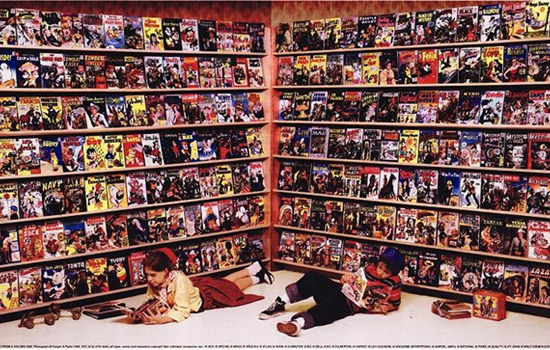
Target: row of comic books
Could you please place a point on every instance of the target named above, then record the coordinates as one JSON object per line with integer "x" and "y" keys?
{"x": 30, "y": 113}
{"x": 490, "y": 64}
{"x": 77, "y": 71}
{"x": 76, "y": 30}
{"x": 445, "y": 147}
{"x": 503, "y": 192}
{"x": 447, "y": 271}
{"x": 507, "y": 21}
{"x": 35, "y": 198}
{"x": 50, "y": 155}
{"x": 490, "y": 107}
{"x": 487, "y": 233}
{"x": 35, "y": 285}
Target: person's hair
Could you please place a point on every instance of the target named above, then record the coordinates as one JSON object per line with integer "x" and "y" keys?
{"x": 157, "y": 261}
{"x": 393, "y": 259}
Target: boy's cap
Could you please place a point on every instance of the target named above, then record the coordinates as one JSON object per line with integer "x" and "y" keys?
{"x": 393, "y": 258}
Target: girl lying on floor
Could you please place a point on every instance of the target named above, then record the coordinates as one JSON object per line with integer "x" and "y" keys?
{"x": 179, "y": 295}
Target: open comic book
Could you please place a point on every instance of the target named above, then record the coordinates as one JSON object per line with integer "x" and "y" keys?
{"x": 153, "y": 305}
{"x": 363, "y": 295}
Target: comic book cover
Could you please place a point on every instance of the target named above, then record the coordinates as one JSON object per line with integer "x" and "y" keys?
{"x": 352, "y": 181}
{"x": 118, "y": 272}
{"x": 94, "y": 31}
{"x": 470, "y": 190}
{"x": 226, "y": 252}
{"x": 96, "y": 193}
{"x": 54, "y": 198}
{"x": 447, "y": 229}
{"x": 469, "y": 65}
{"x": 31, "y": 241}
{"x": 174, "y": 109}
{"x": 301, "y": 70}
{"x": 50, "y": 155}
{"x": 513, "y": 20}
{"x": 138, "y": 230}
{"x": 28, "y": 156}
{"x": 257, "y": 211}
{"x": 492, "y": 235}
{"x": 285, "y": 75}
{"x": 471, "y": 274}
{"x": 52, "y": 113}
{"x": 515, "y": 282}
{"x": 52, "y": 70}
{"x": 492, "y": 274}
{"x": 515, "y": 154}
{"x": 407, "y": 185}
{"x": 370, "y": 182}
{"x": 96, "y": 272}
{"x": 94, "y": 107}
{"x": 175, "y": 221}
{"x": 537, "y": 60}
{"x": 448, "y": 66}
{"x": 428, "y": 102}
{"x": 72, "y": 32}
{"x": 255, "y": 72}
{"x": 351, "y": 108}
{"x": 96, "y": 234}
{"x": 72, "y": 153}
{"x": 389, "y": 183}
{"x": 428, "y": 269}
{"x": 171, "y": 33}
{"x": 351, "y": 218}
{"x": 286, "y": 212}
{"x": 537, "y": 288}
{"x": 286, "y": 176}
{"x": 136, "y": 110}
{"x": 117, "y": 230}
{"x": 152, "y": 149}
{"x": 135, "y": 72}
{"x": 515, "y": 68}
{"x": 536, "y": 16}
{"x": 154, "y": 105}
{"x": 137, "y": 273}
{"x": 408, "y": 146}
{"x": 514, "y": 238}
{"x": 12, "y": 252}
{"x": 302, "y": 212}
{"x": 241, "y": 37}
{"x": 370, "y": 63}
{"x": 335, "y": 105}
{"x": 469, "y": 226}
{"x": 133, "y": 33}
{"x": 28, "y": 27}
{"x": 366, "y": 31}
{"x": 10, "y": 71}
{"x": 514, "y": 193}
{"x": 10, "y": 201}
{"x": 115, "y": 107}
{"x": 449, "y": 188}
{"x": 332, "y": 33}
{"x": 470, "y": 148}
{"x": 404, "y": 29}
{"x": 335, "y": 185}
{"x": 116, "y": 189}
{"x": 493, "y": 149}
{"x": 492, "y": 60}
{"x": 389, "y": 146}
{"x": 285, "y": 140}
{"x": 8, "y": 157}
{"x": 450, "y": 272}
{"x": 408, "y": 107}
{"x": 388, "y": 107}
{"x": 489, "y": 22}
{"x": 334, "y": 73}
{"x": 537, "y": 113}
{"x": 449, "y": 146}
{"x": 318, "y": 68}
{"x": 407, "y": 67}
{"x": 74, "y": 114}
{"x": 257, "y": 37}
{"x": 193, "y": 220}
{"x": 515, "y": 108}
{"x": 154, "y": 72}
{"x": 349, "y": 32}
{"x": 7, "y": 27}
{"x": 255, "y": 142}
{"x": 240, "y": 72}
{"x": 95, "y": 71}
{"x": 467, "y": 24}
{"x": 115, "y": 72}
{"x": 427, "y": 66}
{"x": 241, "y": 210}
{"x": 53, "y": 282}
{"x": 335, "y": 249}
{"x": 224, "y": 180}
{"x": 468, "y": 107}
{"x": 351, "y": 256}
{"x": 406, "y": 224}
{"x": 75, "y": 237}
{"x": 287, "y": 246}
{"x": 28, "y": 70}
{"x": 208, "y": 183}
{"x": 206, "y": 144}
{"x": 385, "y": 30}
{"x": 173, "y": 74}
{"x": 538, "y": 190}
{"x": 158, "y": 226}
{"x": 302, "y": 104}
{"x": 154, "y": 182}
{"x": 95, "y": 152}
{"x": 225, "y": 208}
{"x": 74, "y": 194}
{"x": 318, "y": 108}
{"x": 301, "y": 177}
{"x": 114, "y": 31}
{"x": 424, "y": 28}
{"x": 319, "y": 251}
{"x": 369, "y": 106}
{"x": 388, "y": 68}
{"x": 153, "y": 33}
{"x": 301, "y": 36}
{"x": 189, "y": 35}
{"x": 318, "y": 146}
{"x": 372, "y": 139}
{"x": 445, "y": 25}
{"x": 385, "y": 222}
{"x": 427, "y": 184}
{"x": 30, "y": 286}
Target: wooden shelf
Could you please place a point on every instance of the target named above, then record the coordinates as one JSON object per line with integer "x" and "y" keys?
{"x": 132, "y": 170}
{"x": 492, "y": 86}
{"x": 112, "y": 292}
{"x": 538, "y": 128}
{"x": 133, "y": 208}
{"x": 127, "y": 91}
{"x": 416, "y": 47}
{"x": 88, "y": 255}
{"x": 126, "y": 130}
{"x": 414, "y": 245}
{"x": 404, "y": 165}
{"x": 129, "y": 51}
{"x": 416, "y": 205}
{"x": 419, "y": 286}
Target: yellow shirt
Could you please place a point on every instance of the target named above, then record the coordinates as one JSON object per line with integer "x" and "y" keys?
{"x": 183, "y": 297}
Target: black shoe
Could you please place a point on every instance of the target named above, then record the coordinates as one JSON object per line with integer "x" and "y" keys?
{"x": 274, "y": 310}
{"x": 264, "y": 275}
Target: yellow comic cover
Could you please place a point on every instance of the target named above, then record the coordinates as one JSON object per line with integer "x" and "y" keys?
{"x": 371, "y": 68}
{"x": 94, "y": 153}
{"x": 96, "y": 193}
{"x": 114, "y": 152}
{"x": 116, "y": 191}
{"x": 152, "y": 30}
{"x": 408, "y": 146}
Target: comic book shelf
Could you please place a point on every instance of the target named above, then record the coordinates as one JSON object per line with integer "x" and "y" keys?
{"x": 278, "y": 159}
{"x": 264, "y": 127}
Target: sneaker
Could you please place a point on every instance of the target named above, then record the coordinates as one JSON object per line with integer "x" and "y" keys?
{"x": 265, "y": 276}
{"x": 291, "y": 328}
{"x": 274, "y": 310}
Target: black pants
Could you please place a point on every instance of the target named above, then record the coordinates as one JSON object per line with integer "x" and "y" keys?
{"x": 331, "y": 305}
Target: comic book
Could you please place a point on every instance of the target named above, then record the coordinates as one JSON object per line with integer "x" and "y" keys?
{"x": 287, "y": 246}
{"x": 28, "y": 70}
{"x": 515, "y": 282}
{"x": 9, "y": 198}
{"x": 514, "y": 238}
{"x": 301, "y": 35}
{"x": 28, "y": 27}
{"x": 515, "y": 193}
{"x": 96, "y": 193}
{"x": 448, "y": 66}
{"x": 94, "y": 31}
{"x": 240, "y": 72}
{"x": 537, "y": 58}
{"x": 12, "y": 252}
{"x": 467, "y": 24}
{"x": 335, "y": 105}
{"x": 117, "y": 230}
{"x": 515, "y": 59}
{"x": 114, "y": 31}
{"x": 407, "y": 185}
{"x": 257, "y": 37}
{"x": 241, "y": 40}
{"x": 385, "y": 222}
{"x": 408, "y": 146}
{"x": 302, "y": 70}
{"x": 388, "y": 68}
{"x": 427, "y": 66}
{"x": 52, "y": 113}
{"x": 95, "y": 71}
{"x": 385, "y": 30}
{"x": 470, "y": 190}
{"x": 8, "y": 157}
{"x": 428, "y": 102}
{"x": 301, "y": 177}
{"x": 369, "y": 106}
{"x": 153, "y": 33}
{"x": 428, "y": 269}
{"x": 95, "y": 151}
{"x": 424, "y": 28}
{"x": 388, "y": 107}
{"x": 53, "y": 282}
{"x": 28, "y": 156}
{"x": 407, "y": 67}
{"x": 445, "y": 25}
{"x": 492, "y": 61}
{"x": 318, "y": 108}
{"x": 349, "y": 33}
{"x": 135, "y": 72}
{"x": 30, "y": 286}
{"x": 137, "y": 273}
{"x": 492, "y": 274}
{"x": 538, "y": 190}
{"x": 406, "y": 224}
{"x": 352, "y": 69}
{"x": 193, "y": 220}
{"x": 171, "y": 33}
{"x": 96, "y": 272}
{"x": 513, "y": 20}
{"x": 366, "y": 31}
{"x": 537, "y": 113}
{"x": 450, "y": 272}
{"x": 72, "y": 150}
{"x": 471, "y": 274}
{"x": 539, "y": 283}
{"x": 74, "y": 113}
{"x": 138, "y": 230}
{"x": 335, "y": 251}
{"x": 469, "y": 226}
{"x": 515, "y": 108}
{"x": 408, "y": 107}
{"x": 492, "y": 235}
{"x": 154, "y": 105}
{"x": 493, "y": 149}
{"x": 7, "y": 27}
{"x": 115, "y": 107}
{"x": 489, "y": 22}
{"x": 154, "y": 72}
{"x": 50, "y": 156}
{"x": 470, "y": 148}
{"x": 536, "y": 16}
{"x": 52, "y": 70}
{"x": 71, "y": 30}
{"x": 75, "y": 237}
{"x": 208, "y": 183}
{"x": 116, "y": 189}
{"x": 136, "y": 110}
{"x": 427, "y": 184}
{"x": 389, "y": 183}
{"x": 351, "y": 108}
{"x": 389, "y": 146}
{"x": 352, "y": 181}
{"x": 96, "y": 234}
{"x": 302, "y": 212}
{"x": 133, "y": 33}
{"x": 449, "y": 188}
{"x": 447, "y": 229}
{"x": 469, "y": 65}
{"x": 404, "y": 29}
{"x": 74, "y": 193}
{"x": 370, "y": 63}
{"x": 468, "y": 107}
{"x": 158, "y": 226}
{"x": 449, "y": 146}
{"x": 515, "y": 154}
{"x": 334, "y": 73}
{"x": 54, "y": 199}
{"x": 115, "y": 72}
{"x": 189, "y": 35}
{"x": 318, "y": 146}
{"x": 372, "y": 139}
{"x": 9, "y": 75}
{"x": 31, "y": 241}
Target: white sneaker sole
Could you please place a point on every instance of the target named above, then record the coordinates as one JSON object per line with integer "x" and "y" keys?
{"x": 264, "y": 317}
